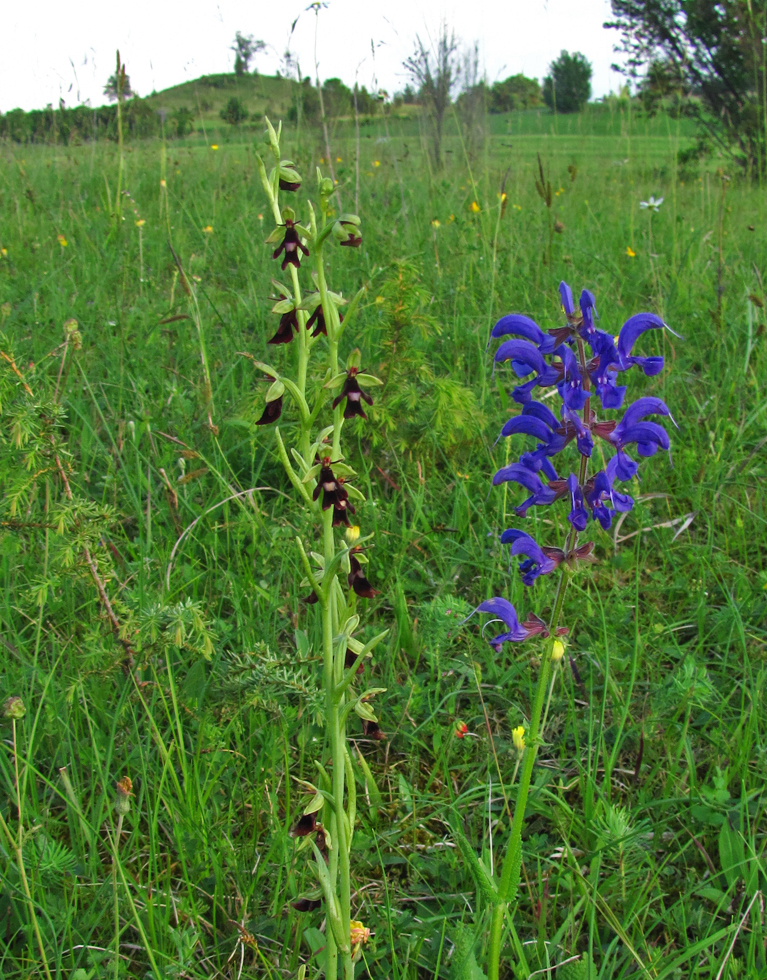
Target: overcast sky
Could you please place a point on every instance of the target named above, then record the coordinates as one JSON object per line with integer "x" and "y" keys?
{"x": 55, "y": 50}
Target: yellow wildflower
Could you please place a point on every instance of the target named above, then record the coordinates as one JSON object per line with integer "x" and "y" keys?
{"x": 435, "y": 223}
{"x": 208, "y": 229}
{"x": 4, "y": 252}
{"x": 376, "y": 163}
{"x": 358, "y": 934}
{"x": 352, "y": 533}
{"x": 379, "y": 300}
{"x": 61, "y": 240}
{"x": 339, "y": 160}
{"x": 518, "y": 738}
{"x": 475, "y": 207}
{"x": 630, "y": 252}
{"x": 451, "y": 217}
{"x": 140, "y": 222}
{"x": 557, "y": 651}
{"x": 163, "y": 182}
{"x": 214, "y": 146}
{"x": 504, "y": 197}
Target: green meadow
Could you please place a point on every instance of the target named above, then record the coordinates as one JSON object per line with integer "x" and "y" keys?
{"x": 189, "y": 661}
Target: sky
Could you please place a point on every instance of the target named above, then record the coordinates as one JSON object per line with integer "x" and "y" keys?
{"x": 56, "y": 50}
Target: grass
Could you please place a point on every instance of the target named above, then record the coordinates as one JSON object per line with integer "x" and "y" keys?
{"x": 644, "y": 846}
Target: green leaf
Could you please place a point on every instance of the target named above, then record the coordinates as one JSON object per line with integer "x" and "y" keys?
{"x": 463, "y": 963}
{"x": 732, "y": 854}
{"x": 482, "y": 878}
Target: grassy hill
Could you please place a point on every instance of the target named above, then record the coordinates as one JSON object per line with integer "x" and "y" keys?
{"x": 206, "y": 96}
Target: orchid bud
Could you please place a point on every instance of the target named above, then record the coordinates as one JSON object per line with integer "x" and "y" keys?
{"x": 124, "y": 789}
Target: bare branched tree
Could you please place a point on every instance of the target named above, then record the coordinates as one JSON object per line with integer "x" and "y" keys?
{"x": 471, "y": 104}
{"x": 435, "y": 71}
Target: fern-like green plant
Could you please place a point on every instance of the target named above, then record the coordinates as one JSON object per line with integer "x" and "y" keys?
{"x": 420, "y": 406}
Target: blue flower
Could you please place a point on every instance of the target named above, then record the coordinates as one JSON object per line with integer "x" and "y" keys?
{"x": 517, "y": 473}
{"x": 599, "y": 492}
{"x": 566, "y": 295}
{"x": 578, "y": 515}
{"x": 522, "y": 326}
{"x": 648, "y": 436}
{"x": 517, "y": 632}
{"x": 583, "y": 437}
{"x": 542, "y": 424}
{"x": 504, "y": 610}
{"x": 526, "y": 359}
{"x": 588, "y": 312}
{"x": 630, "y": 332}
{"x": 605, "y": 373}
{"x": 538, "y": 561}
{"x": 571, "y": 386}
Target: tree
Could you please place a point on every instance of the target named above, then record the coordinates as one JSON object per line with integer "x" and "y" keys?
{"x": 515, "y": 92}
{"x": 717, "y": 51}
{"x": 337, "y": 98}
{"x": 663, "y": 86}
{"x": 183, "y": 119}
{"x": 435, "y": 73}
{"x": 568, "y": 86}
{"x": 245, "y": 48}
{"x": 111, "y": 87}
{"x": 234, "y": 112}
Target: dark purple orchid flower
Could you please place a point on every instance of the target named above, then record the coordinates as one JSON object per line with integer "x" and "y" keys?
{"x": 290, "y": 245}
{"x": 272, "y": 411}
{"x": 516, "y": 473}
{"x": 288, "y": 323}
{"x": 522, "y": 326}
{"x": 354, "y": 395}
{"x": 537, "y": 563}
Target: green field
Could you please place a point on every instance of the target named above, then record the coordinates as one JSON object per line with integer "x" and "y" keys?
{"x": 644, "y": 843}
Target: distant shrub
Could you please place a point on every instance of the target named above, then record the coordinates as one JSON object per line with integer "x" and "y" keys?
{"x": 337, "y": 97}
{"x": 306, "y": 102}
{"x": 183, "y": 120}
{"x": 234, "y": 112}
{"x": 515, "y": 92}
